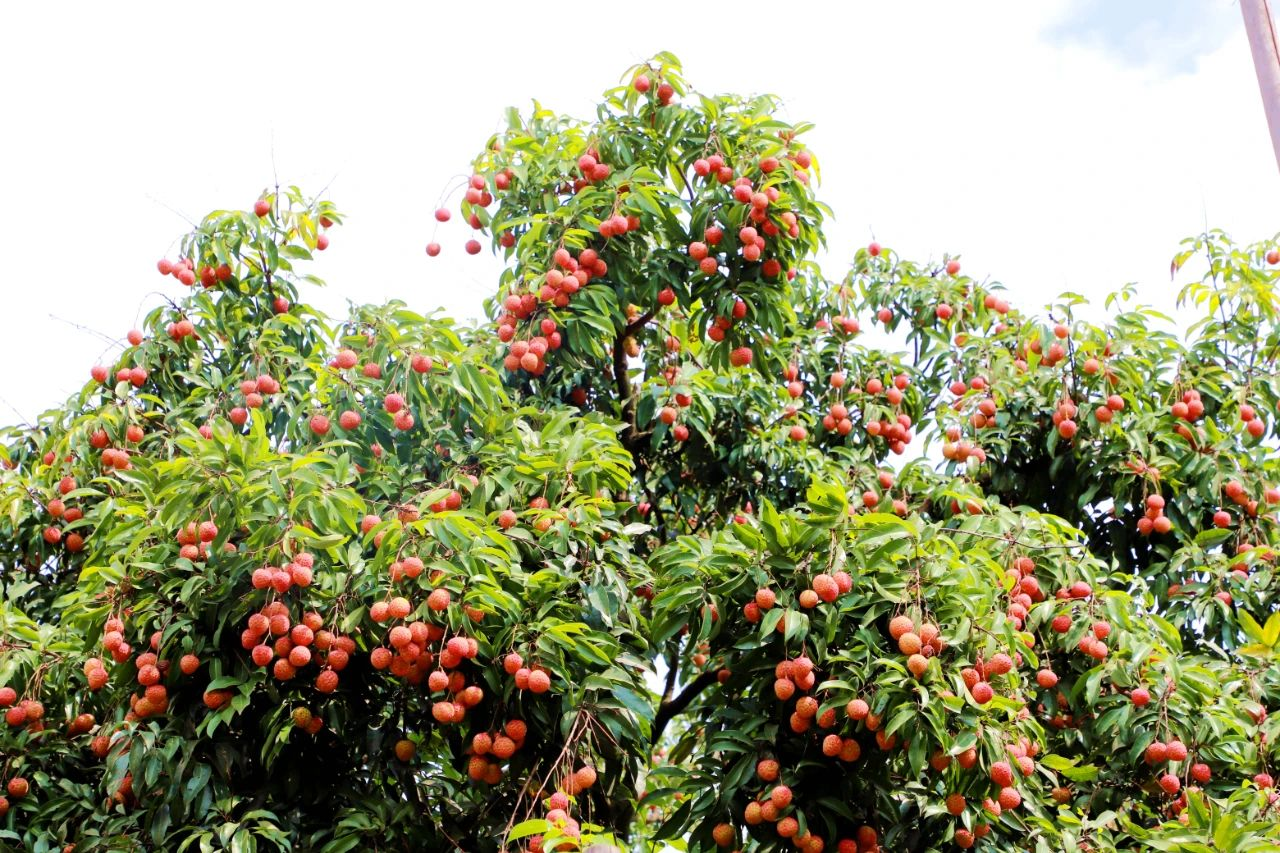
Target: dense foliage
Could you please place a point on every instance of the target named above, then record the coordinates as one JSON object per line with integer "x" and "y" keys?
{"x": 670, "y": 553}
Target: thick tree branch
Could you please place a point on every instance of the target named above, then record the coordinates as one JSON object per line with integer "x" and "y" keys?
{"x": 673, "y": 665}
{"x": 626, "y": 401}
{"x": 639, "y": 323}
{"x": 667, "y": 710}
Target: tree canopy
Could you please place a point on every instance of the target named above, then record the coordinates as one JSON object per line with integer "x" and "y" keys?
{"x": 674, "y": 551}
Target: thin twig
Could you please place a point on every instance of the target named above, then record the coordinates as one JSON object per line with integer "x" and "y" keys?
{"x": 1017, "y": 541}
{"x": 25, "y": 422}
{"x": 173, "y": 210}
{"x": 568, "y": 742}
{"x": 110, "y": 340}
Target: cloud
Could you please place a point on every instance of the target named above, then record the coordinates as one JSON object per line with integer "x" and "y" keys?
{"x": 1166, "y": 36}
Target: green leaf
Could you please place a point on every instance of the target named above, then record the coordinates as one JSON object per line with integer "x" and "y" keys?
{"x": 527, "y": 828}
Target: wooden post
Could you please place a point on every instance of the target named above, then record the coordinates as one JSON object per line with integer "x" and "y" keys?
{"x": 1266, "y": 61}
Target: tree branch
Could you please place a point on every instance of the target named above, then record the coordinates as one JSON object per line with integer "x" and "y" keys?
{"x": 692, "y": 199}
{"x": 672, "y": 666}
{"x": 626, "y": 400}
{"x": 1067, "y": 546}
{"x": 639, "y": 323}
{"x": 656, "y": 509}
{"x": 667, "y": 710}
{"x": 626, "y": 403}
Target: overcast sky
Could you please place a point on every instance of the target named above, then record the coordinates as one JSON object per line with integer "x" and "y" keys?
{"x": 1053, "y": 145}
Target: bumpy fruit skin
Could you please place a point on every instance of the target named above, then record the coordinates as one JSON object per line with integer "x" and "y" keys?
{"x": 1009, "y": 798}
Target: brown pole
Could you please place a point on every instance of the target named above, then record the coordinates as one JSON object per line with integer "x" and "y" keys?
{"x": 1266, "y": 61}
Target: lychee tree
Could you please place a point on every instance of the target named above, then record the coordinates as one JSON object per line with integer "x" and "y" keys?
{"x": 300, "y": 580}
{"x": 667, "y": 553}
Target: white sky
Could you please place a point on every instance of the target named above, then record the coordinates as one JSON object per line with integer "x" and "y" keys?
{"x": 1053, "y": 145}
